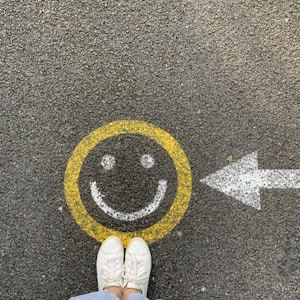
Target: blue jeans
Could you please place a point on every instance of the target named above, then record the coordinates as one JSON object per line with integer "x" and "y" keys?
{"x": 106, "y": 295}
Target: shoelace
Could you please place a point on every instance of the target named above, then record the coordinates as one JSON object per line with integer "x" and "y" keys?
{"x": 133, "y": 271}
{"x": 112, "y": 273}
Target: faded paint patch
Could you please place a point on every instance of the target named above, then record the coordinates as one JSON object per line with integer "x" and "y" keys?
{"x": 290, "y": 262}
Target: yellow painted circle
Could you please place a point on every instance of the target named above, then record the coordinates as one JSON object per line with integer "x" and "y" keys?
{"x": 167, "y": 142}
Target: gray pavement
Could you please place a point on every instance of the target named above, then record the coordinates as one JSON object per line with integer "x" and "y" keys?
{"x": 222, "y": 77}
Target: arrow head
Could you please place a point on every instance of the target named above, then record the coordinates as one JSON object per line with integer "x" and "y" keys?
{"x": 238, "y": 180}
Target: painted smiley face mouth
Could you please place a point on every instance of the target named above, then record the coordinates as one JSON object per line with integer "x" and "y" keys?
{"x": 150, "y": 208}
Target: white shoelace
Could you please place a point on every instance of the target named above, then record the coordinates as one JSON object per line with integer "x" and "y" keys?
{"x": 111, "y": 272}
{"x": 133, "y": 272}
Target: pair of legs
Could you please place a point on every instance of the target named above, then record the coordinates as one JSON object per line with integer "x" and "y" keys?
{"x": 119, "y": 280}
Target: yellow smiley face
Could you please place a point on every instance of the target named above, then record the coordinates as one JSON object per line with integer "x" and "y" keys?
{"x": 183, "y": 190}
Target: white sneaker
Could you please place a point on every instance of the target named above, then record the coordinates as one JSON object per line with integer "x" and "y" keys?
{"x": 110, "y": 263}
{"x": 137, "y": 265}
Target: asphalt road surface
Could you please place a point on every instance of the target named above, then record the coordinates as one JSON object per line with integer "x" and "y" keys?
{"x": 218, "y": 81}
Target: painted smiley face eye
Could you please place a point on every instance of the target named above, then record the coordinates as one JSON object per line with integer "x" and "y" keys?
{"x": 147, "y": 161}
{"x": 108, "y": 162}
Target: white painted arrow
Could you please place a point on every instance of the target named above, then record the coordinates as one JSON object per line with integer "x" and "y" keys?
{"x": 242, "y": 180}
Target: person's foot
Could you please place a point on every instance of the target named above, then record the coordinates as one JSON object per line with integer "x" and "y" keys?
{"x": 137, "y": 267}
{"x": 110, "y": 264}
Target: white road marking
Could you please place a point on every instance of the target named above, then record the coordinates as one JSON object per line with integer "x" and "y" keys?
{"x": 147, "y": 161}
{"x": 242, "y": 180}
{"x": 150, "y": 208}
{"x": 108, "y": 162}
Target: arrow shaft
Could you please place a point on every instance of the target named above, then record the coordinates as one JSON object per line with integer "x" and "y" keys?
{"x": 281, "y": 179}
